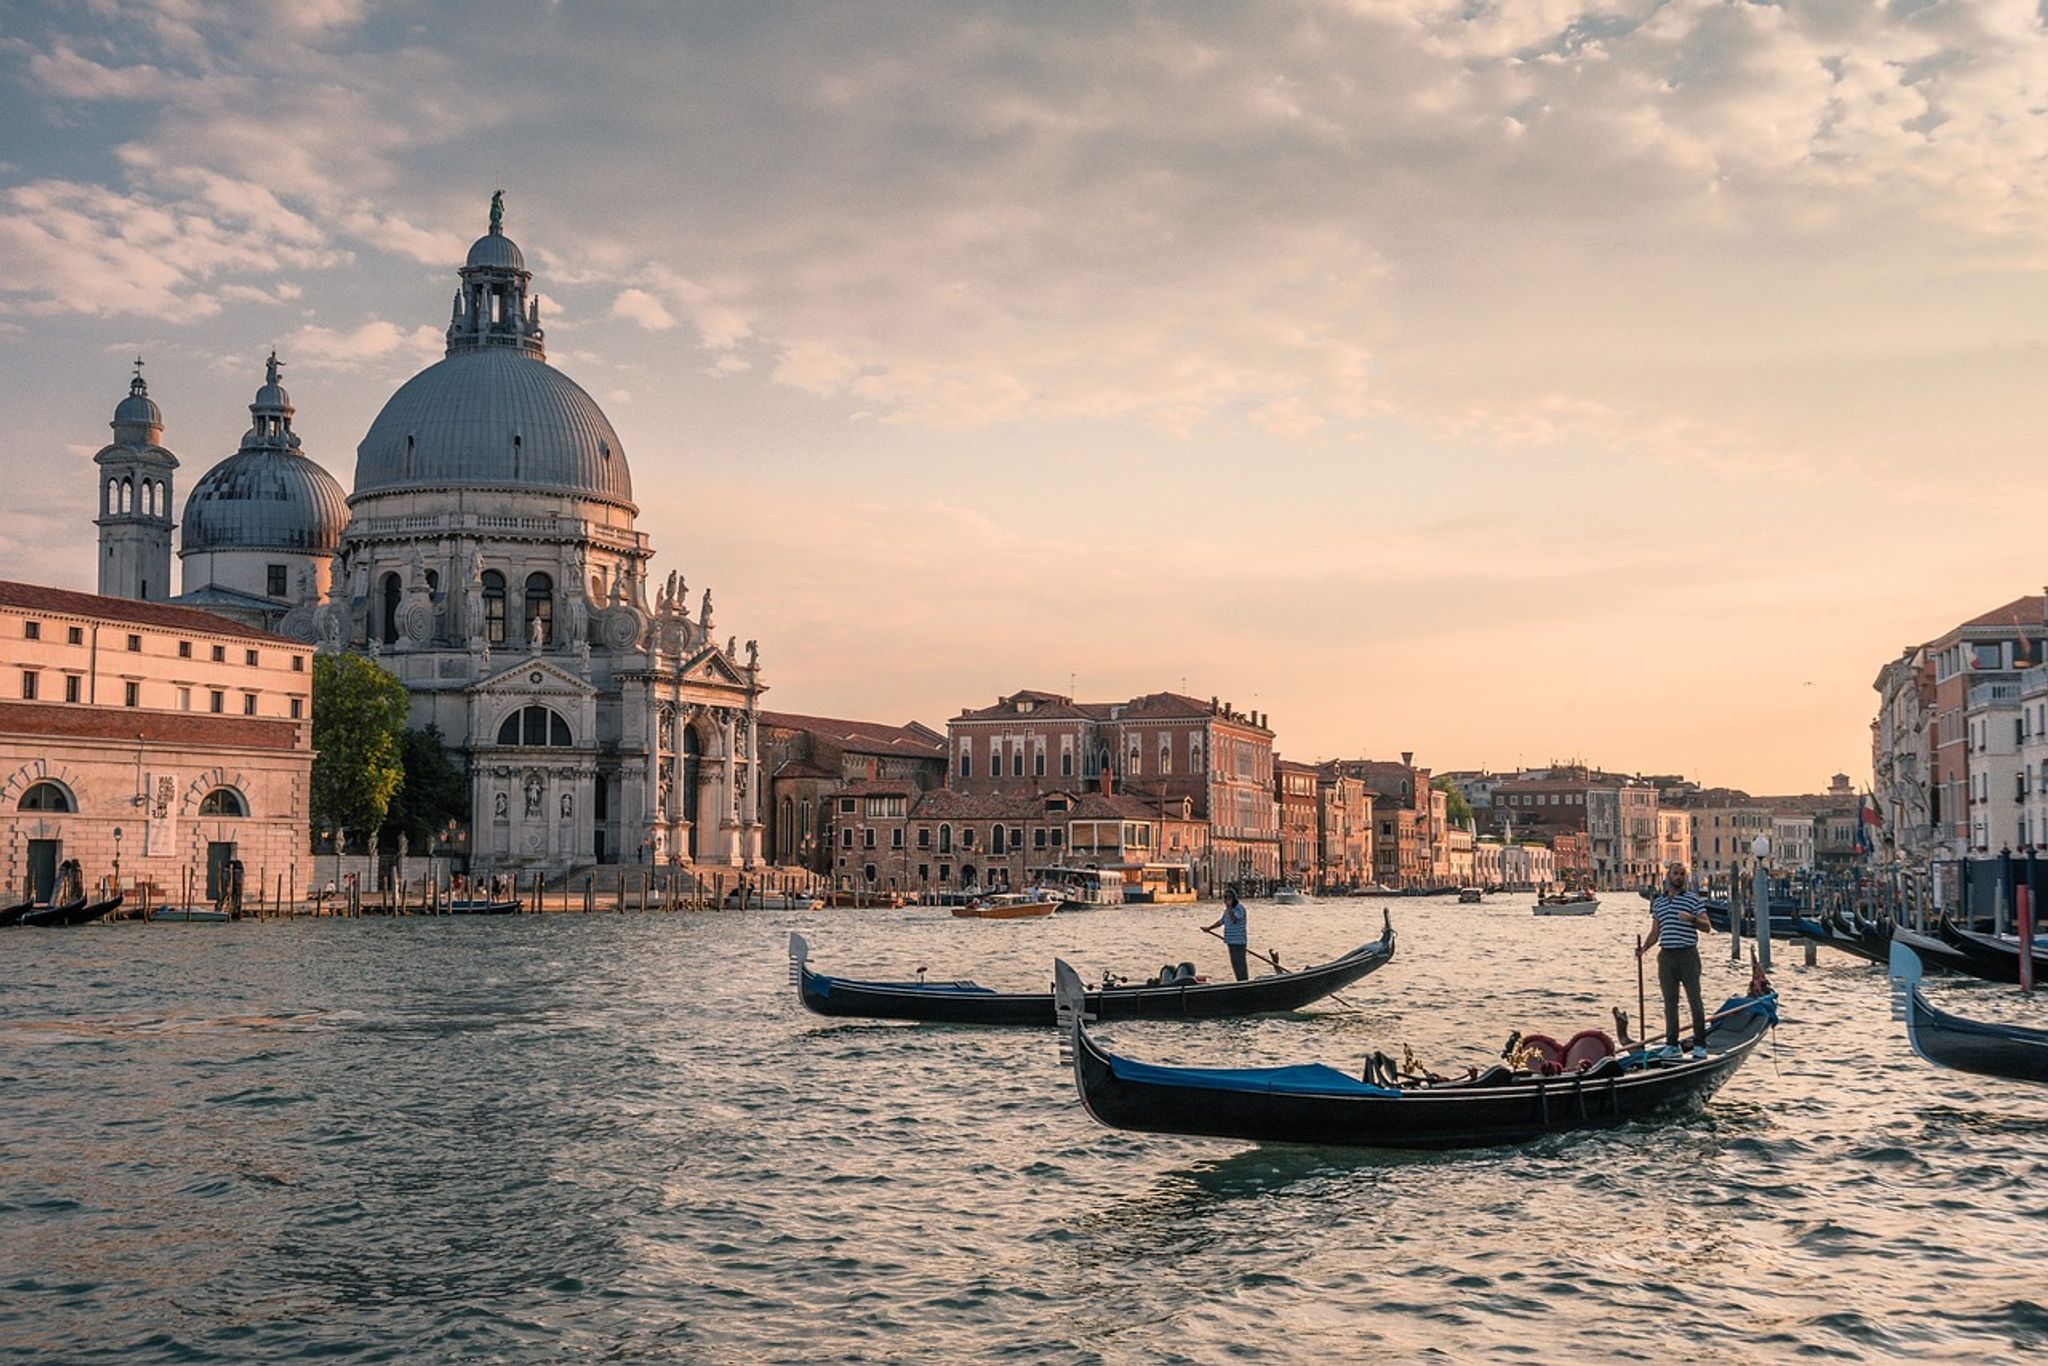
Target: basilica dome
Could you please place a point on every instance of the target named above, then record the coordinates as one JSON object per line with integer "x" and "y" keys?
{"x": 493, "y": 414}
{"x": 268, "y": 495}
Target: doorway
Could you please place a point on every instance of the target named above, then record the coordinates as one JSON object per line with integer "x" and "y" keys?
{"x": 43, "y": 856}
{"x": 220, "y": 856}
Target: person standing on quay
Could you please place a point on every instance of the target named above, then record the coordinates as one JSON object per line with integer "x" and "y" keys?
{"x": 1236, "y": 936}
{"x": 1677, "y": 916}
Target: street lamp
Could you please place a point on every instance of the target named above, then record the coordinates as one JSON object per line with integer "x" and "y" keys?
{"x": 117, "y": 858}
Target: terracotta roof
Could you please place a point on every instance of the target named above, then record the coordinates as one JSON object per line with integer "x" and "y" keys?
{"x": 1045, "y": 706}
{"x": 57, "y": 721}
{"x": 2026, "y": 611}
{"x": 796, "y": 768}
{"x": 945, "y": 804}
{"x": 1097, "y": 806}
{"x": 877, "y": 787}
{"x": 36, "y": 597}
{"x": 864, "y": 737}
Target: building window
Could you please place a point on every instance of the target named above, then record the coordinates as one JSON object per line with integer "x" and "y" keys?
{"x": 249, "y": 658}
{"x": 945, "y": 842}
{"x": 540, "y": 607}
{"x": 966, "y": 763}
{"x": 298, "y": 664}
{"x": 31, "y": 630}
{"x": 184, "y": 649}
{"x": 995, "y": 839}
{"x": 494, "y": 607}
{"x": 1038, "y": 764}
{"x": 28, "y": 685}
{"x": 217, "y": 701}
{"x": 1066, "y": 763}
{"x": 223, "y": 801}
{"x": 535, "y": 727}
{"x": 135, "y": 645}
{"x": 846, "y": 838}
{"x": 184, "y": 699}
{"x": 248, "y": 704}
{"x": 220, "y": 654}
{"x": 896, "y": 838}
{"x": 846, "y": 806}
{"x": 1017, "y": 762}
{"x": 867, "y": 837}
{"x": 1055, "y": 839}
{"x": 46, "y": 797}
{"x": 298, "y": 708}
{"x": 273, "y": 580}
{"x": 73, "y": 687}
{"x": 867, "y": 871}
{"x": 1038, "y": 838}
{"x": 924, "y": 837}
{"x": 131, "y": 694}
{"x": 966, "y": 837}
{"x": 74, "y": 635}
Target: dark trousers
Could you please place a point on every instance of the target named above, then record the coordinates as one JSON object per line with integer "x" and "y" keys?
{"x": 1676, "y": 968}
{"x": 1237, "y": 965}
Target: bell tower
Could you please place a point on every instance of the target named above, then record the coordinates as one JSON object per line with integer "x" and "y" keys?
{"x": 135, "y": 500}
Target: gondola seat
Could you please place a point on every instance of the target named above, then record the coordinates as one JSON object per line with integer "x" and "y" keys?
{"x": 1586, "y": 1048}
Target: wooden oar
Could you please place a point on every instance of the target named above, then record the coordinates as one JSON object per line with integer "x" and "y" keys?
{"x": 1642, "y": 999}
{"x": 1273, "y": 958}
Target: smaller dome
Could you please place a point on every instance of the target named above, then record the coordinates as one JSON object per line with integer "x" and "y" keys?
{"x": 495, "y": 251}
{"x": 138, "y": 409}
{"x": 265, "y": 500}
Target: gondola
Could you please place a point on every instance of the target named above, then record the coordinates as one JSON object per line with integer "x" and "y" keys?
{"x": 1317, "y": 1104}
{"x": 1946, "y": 1040}
{"x": 11, "y": 915}
{"x": 1989, "y": 957}
{"x": 1933, "y": 953}
{"x": 77, "y": 912}
{"x": 481, "y": 906}
{"x": 1827, "y": 932}
{"x": 968, "y": 1003}
{"x": 190, "y": 915}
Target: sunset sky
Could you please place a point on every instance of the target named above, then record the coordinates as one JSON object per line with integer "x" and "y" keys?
{"x": 1498, "y": 381}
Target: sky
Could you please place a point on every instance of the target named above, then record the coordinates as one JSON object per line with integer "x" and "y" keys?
{"x": 1501, "y": 382}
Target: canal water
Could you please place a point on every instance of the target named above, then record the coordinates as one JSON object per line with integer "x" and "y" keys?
{"x": 618, "y": 1137}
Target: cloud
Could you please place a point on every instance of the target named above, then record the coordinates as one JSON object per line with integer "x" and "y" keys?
{"x": 637, "y": 305}
{"x": 326, "y": 348}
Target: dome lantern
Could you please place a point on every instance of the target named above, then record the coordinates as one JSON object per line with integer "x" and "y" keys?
{"x": 491, "y": 307}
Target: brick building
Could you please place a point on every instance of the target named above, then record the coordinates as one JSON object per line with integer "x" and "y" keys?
{"x": 172, "y": 739}
{"x": 1297, "y": 788}
{"x": 808, "y": 760}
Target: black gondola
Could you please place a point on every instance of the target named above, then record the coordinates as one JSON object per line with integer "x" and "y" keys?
{"x": 78, "y": 912}
{"x": 968, "y": 1003}
{"x": 1946, "y": 1040}
{"x": 11, "y": 915}
{"x": 1316, "y": 1104}
{"x": 1836, "y": 936}
{"x": 1989, "y": 957}
{"x": 481, "y": 906}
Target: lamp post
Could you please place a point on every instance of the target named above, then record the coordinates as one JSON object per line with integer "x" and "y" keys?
{"x": 1761, "y": 847}
{"x": 117, "y": 858}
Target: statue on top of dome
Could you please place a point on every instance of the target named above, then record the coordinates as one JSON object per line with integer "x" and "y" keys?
{"x": 497, "y": 212}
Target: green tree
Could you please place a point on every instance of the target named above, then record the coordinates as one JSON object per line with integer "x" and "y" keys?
{"x": 1455, "y": 809}
{"x": 434, "y": 791}
{"x": 358, "y": 723}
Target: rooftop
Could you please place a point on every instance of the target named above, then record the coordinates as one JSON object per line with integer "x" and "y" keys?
{"x": 864, "y": 737}
{"x": 46, "y": 720}
{"x": 36, "y": 597}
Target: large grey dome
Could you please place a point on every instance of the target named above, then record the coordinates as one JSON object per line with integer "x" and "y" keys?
{"x": 265, "y": 500}
{"x": 494, "y": 417}
{"x": 496, "y": 251}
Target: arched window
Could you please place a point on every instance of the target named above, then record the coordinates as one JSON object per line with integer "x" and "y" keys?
{"x": 995, "y": 837}
{"x": 1137, "y": 762}
{"x": 945, "y": 839}
{"x": 494, "y": 607}
{"x": 540, "y": 606}
{"x": 1165, "y": 756}
{"x": 535, "y": 727}
{"x": 223, "y": 801}
{"x": 113, "y": 503}
{"x": 392, "y": 591}
{"x": 127, "y": 495}
{"x": 46, "y": 797}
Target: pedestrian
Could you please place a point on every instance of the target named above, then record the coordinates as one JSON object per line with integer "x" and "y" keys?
{"x": 1233, "y": 924}
{"x": 1676, "y": 918}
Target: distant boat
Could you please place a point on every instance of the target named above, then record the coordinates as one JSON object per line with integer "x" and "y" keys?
{"x": 1471, "y": 896}
{"x": 191, "y": 915}
{"x": 477, "y": 905}
{"x": 78, "y": 912}
{"x": 1567, "y": 903}
{"x": 1006, "y": 906}
{"x": 1080, "y": 889}
{"x": 1292, "y": 896}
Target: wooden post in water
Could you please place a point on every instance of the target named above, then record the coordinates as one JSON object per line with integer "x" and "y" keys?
{"x": 1762, "y": 898}
{"x": 643, "y": 894}
{"x": 1735, "y": 898}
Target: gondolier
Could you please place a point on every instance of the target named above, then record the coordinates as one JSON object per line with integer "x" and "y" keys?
{"x": 1236, "y": 933}
{"x": 1678, "y": 915}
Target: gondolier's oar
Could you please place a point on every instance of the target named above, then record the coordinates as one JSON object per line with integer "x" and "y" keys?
{"x": 1642, "y": 1000}
{"x": 1272, "y": 957}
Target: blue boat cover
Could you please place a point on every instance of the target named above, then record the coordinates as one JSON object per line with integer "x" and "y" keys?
{"x": 1308, "y": 1079}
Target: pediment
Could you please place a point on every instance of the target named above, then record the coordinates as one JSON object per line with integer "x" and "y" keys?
{"x": 711, "y": 666}
{"x": 532, "y": 677}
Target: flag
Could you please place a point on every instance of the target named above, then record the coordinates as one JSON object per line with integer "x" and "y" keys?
{"x": 1868, "y": 820}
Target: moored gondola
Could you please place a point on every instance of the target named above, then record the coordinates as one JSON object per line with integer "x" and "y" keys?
{"x": 1933, "y": 953}
{"x": 480, "y": 906}
{"x": 1989, "y": 957}
{"x": 1317, "y": 1104}
{"x": 1991, "y": 1050}
{"x": 78, "y": 912}
{"x": 1828, "y": 932}
{"x": 11, "y": 915}
{"x": 1182, "y": 999}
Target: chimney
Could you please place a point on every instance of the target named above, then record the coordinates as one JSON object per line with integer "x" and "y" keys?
{"x": 1108, "y": 783}
{"x": 1407, "y": 758}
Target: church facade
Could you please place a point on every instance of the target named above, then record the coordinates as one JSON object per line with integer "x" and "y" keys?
{"x": 488, "y": 557}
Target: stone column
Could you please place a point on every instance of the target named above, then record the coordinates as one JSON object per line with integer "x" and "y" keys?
{"x": 750, "y": 834}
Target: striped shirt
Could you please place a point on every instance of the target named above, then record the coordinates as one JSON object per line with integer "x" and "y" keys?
{"x": 1234, "y": 925}
{"x": 1673, "y": 915}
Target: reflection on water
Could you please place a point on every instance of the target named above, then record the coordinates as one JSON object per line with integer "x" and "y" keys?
{"x": 530, "y": 1139}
